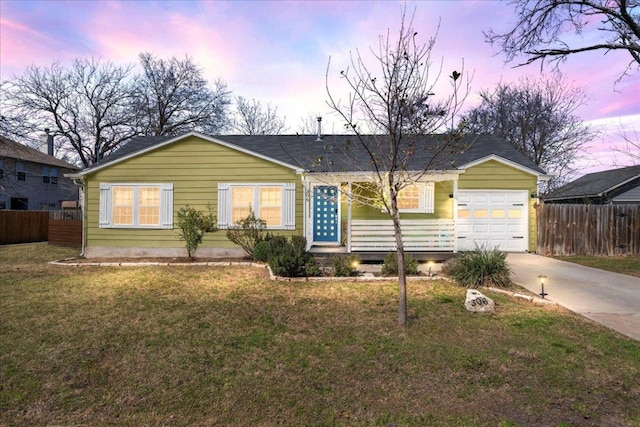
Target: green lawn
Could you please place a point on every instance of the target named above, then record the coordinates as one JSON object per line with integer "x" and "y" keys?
{"x": 199, "y": 346}
{"x": 618, "y": 264}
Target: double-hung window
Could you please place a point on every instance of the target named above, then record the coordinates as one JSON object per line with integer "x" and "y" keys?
{"x": 273, "y": 203}
{"x": 418, "y": 197}
{"x": 131, "y": 205}
{"x": 21, "y": 171}
{"x": 49, "y": 175}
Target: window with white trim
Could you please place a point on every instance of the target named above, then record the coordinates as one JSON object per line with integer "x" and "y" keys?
{"x": 133, "y": 205}
{"x": 418, "y": 197}
{"x": 273, "y": 203}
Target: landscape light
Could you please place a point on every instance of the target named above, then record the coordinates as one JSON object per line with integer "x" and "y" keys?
{"x": 542, "y": 279}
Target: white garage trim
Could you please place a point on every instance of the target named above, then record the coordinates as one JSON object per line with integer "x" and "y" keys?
{"x": 492, "y": 219}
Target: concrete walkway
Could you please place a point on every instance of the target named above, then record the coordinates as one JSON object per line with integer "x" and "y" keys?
{"x": 611, "y": 299}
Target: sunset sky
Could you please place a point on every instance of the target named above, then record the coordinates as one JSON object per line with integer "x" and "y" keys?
{"x": 278, "y": 51}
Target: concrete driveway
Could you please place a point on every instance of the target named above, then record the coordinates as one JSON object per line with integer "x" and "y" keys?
{"x": 611, "y": 299}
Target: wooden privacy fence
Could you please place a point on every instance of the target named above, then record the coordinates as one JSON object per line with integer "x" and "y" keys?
{"x": 23, "y": 226}
{"x": 65, "y": 227}
{"x": 58, "y": 227}
{"x": 599, "y": 230}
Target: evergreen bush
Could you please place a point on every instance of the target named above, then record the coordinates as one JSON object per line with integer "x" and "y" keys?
{"x": 390, "y": 264}
{"x": 345, "y": 266}
{"x": 261, "y": 251}
{"x": 289, "y": 258}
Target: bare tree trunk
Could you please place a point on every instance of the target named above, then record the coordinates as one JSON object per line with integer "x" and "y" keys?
{"x": 402, "y": 276}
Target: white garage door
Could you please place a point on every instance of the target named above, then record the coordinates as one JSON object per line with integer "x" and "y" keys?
{"x": 492, "y": 219}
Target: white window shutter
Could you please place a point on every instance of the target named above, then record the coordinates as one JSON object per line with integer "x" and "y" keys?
{"x": 289, "y": 206}
{"x": 224, "y": 205}
{"x": 428, "y": 197}
{"x": 166, "y": 206}
{"x": 105, "y": 205}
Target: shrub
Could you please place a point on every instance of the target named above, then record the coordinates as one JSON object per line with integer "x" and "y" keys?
{"x": 345, "y": 266}
{"x": 390, "y": 264}
{"x": 193, "y": 224}
{"x": 261, "y": 251}
{"x": 289, "y": 258}
{"x": 480, "y": 267}
{"x": 248, "y": 232}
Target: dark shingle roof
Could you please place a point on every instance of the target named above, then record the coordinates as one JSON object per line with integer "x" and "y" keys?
{"x": 341, "y": 153}
{"x": 15, "y": 150}
{"x": 595, "y": 184}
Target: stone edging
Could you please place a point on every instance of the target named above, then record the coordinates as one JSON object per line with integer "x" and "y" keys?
{"x": 154, "y": 264}
{"x": 535, "y": 300}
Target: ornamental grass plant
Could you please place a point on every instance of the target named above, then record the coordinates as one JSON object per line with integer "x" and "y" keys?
{"x": 480, "y": 267}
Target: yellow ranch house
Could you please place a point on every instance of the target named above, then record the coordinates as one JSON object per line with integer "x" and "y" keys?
{"x": 480, "y": 192}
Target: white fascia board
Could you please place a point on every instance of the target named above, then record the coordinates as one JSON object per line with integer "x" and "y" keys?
{"x": 199, "y": 135}
{"x": 541, "y": 176}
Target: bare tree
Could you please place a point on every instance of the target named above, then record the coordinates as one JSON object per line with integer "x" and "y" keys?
{"x": 538, "y": 118}
{"x": 87, "y": 106}
{"x": 630, "y": 145}
{"x": 252, "y": 118}
{"x": 172, "y": 97}
{"x": 309, "y": 124}
{"x": 390, "y": 110}
{"x": 542, "y": 25}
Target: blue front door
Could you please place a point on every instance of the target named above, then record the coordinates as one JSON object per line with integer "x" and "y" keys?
{"x": 325, "y": 214}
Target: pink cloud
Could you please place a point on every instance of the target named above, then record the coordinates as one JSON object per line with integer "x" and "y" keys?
{"x": 21, "y": 46}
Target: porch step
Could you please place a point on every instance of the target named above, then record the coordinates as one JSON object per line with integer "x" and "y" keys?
{"x": 334, "y": 249}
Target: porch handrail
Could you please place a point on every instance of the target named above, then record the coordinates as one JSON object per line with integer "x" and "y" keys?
{"x": 417, "y": 235}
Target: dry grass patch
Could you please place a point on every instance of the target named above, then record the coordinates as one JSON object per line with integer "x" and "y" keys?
{"x": 226, "y": 346}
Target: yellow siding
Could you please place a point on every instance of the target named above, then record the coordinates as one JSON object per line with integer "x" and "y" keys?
{"x": 195, "y": 167}
{"x": 494, "y": 175}
{"x": 443, "y": 207}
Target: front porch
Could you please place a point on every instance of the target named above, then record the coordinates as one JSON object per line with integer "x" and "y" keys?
{"x": 343, "y": 215}
{"x": 425, "y": 240}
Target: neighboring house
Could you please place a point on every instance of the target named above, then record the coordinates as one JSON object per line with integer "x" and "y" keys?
{"x": 616, "y": 186}
{"x": 301, "y": 185}
{"x": 32, "y": 180}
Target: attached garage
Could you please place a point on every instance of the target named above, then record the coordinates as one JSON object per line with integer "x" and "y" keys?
{"x": 492, "y": 219}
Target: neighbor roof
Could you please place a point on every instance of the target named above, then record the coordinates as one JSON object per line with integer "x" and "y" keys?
{"x": 15, "y": 150}
{"x": 340, "y": 153}
{"x": 595, "y": 184}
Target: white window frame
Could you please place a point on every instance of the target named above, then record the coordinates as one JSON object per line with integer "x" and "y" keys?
{"x": 287, "y": 211}
{"x": 166, "y": 205}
